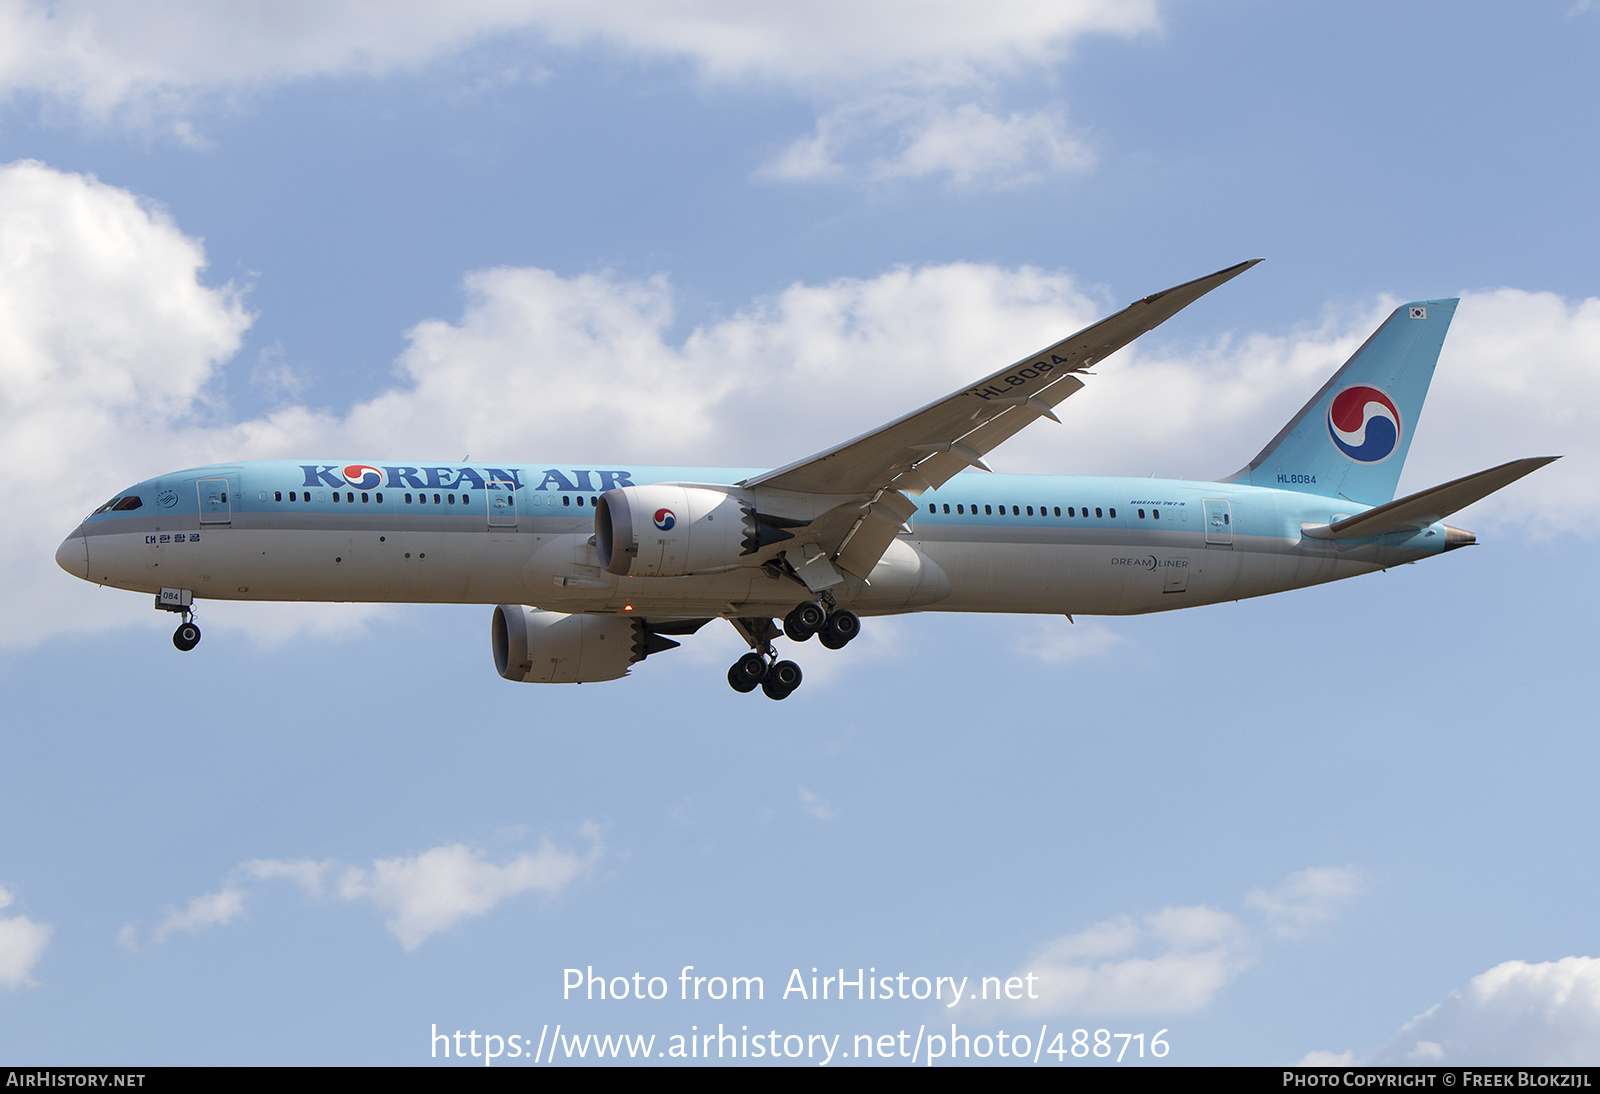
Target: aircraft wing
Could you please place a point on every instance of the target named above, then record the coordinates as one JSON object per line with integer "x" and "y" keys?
{"x": 927, "y": 447}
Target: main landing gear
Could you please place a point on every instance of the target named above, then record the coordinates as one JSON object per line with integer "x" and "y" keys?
{"x": 777, "y": 679}
{"x": 761, "y": 667}
{"x": 833, "y": 629}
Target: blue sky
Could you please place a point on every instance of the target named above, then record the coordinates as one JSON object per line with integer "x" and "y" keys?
{"x": 1354, "y": 821}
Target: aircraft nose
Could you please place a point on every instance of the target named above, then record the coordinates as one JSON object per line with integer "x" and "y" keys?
{"x": 73, "y": 555}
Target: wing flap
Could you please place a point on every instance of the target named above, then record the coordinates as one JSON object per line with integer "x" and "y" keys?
{"x": 869, "y": 537}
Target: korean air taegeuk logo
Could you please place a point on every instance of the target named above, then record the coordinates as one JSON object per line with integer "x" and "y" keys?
{"x": 1364, "y": 423}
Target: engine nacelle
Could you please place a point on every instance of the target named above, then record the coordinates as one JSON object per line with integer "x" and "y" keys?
{"x": 670, "y": 530}
{"x": 539, "y": 647}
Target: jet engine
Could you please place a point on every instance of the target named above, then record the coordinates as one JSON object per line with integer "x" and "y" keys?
{"x": 539, "y": 647}
{"x": 669, "y": 530}
{"x": 550, "y": 648}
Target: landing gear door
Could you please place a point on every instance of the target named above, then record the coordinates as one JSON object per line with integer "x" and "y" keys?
{"x": 502, "y": 504}
{"x": 215, "y": 507}
{"x": 1219, "y": 523}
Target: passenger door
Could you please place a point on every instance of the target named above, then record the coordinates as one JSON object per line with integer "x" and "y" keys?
{"x": 502, "y": 503}
{"x": 1219, "y": 523}
{"x": 215, "y": 505}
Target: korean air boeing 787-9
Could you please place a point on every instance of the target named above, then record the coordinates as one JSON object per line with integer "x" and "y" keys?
{"x": 595, "y": 569}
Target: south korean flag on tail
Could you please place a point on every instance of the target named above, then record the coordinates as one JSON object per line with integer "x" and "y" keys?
{"x": 1419, "y": 313}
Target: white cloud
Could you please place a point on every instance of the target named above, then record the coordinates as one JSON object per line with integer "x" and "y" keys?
{"x": 1517, "y": 371}
{"x": 153, "y": 61}
{"x": 1058, "y": 642}
{"x": 1518, "y": 1013}
{"x": 421, "y": 895}
{"x": 816, "y": 804}
{"x": 102, "y": 53}
{"x": 417, "y": 895}
{"x": 22, "y": 943}
{"x": 1173, "y": 961}
{"x": 306, "y": 873}
{"x": 899, "y": 137}
{"x": 202, "y": 913}
{"x": 109, "y": 343}
{"x": 1308, "y": 899}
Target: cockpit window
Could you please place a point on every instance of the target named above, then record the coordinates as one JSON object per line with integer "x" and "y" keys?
{"x": 119, "y": 505}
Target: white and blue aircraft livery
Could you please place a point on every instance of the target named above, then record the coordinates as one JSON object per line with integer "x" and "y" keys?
{"x": 594, "y": 569}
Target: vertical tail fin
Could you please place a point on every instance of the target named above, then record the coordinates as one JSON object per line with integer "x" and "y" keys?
{"x": 1351, "y": 439}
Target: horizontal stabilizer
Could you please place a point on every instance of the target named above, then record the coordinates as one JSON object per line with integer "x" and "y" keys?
{"x": 1417, "y": 511}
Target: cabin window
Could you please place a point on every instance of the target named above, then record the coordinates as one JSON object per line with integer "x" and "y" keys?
{"x": 566, "y": 499}
{"x": 436, "y": 499}
{"x": 1141, "y": 514}
{"x": 292, "y": 497}
{"x": 987, "y": 511}
{"x": 1058, "y": 511}
{"x": 277, "y": 495}
{"x": 1113, "y": 513}
{"x": 408, "y": 499}
{"x": 594, "y": 501}
{"x": 336, "y": 497}
{"x": 961, "y": 510}
{"x": 580, "y": 501}
{"x": 452, "y": 498}
{"x": 1155, "y": 514}
{"x": 1096, "y": 512}
{"x": 350, "y": 497}
{"x": 378, "y": 498}
{"x": 1030, "y": 510}
{"x": 364, "y": 498}
{"x": 1225, "y": 519}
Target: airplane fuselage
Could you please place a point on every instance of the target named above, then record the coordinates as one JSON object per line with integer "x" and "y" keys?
{"x": 524, "y": 534}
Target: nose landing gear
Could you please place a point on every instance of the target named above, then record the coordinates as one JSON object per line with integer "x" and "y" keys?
{"x": 187, "y": 636}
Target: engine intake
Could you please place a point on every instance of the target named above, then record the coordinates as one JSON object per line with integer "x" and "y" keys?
{"x": 540, "y": 647}
{"x": 668, "y": 530}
